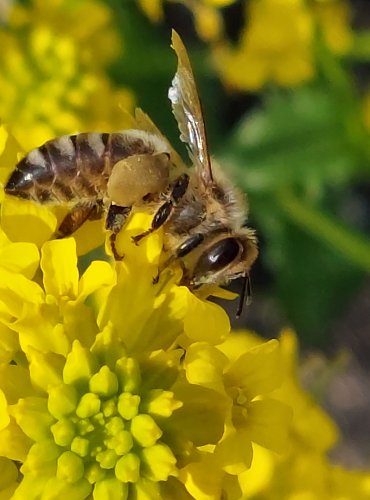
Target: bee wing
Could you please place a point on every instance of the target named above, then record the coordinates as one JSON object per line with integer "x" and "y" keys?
{"x": 187, "y": 109}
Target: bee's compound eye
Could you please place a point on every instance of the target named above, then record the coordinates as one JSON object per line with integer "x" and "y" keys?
{"x": 218, "y": 256}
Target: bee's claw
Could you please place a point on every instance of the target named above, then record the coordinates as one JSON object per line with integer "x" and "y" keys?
{"x": 118, "y": 256}
{"x": 136, "y": 239}
{"x": 155, "y": 279}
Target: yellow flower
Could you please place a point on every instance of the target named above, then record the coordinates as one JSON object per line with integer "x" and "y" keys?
{"x": 52, "y": 71}
{"x": 276, "y": 45}
{"x": 244, "y": 375}
{"x": 96, "y": 37}
{"x": 207, "y": 18}
{"x": 153, "y": 9}
{"x": 99, "y": 402}
{"x": 303, "y": 470}
{"x": 333, "y": 17}
{"x": 312, "y": 428}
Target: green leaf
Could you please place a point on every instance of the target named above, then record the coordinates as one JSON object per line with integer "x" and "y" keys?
{"x": 297, "y": 139}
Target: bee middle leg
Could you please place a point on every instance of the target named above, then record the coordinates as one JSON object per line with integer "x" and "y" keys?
{"x": 116, "y": 218}
{"x": 166, "y": 210}
{"x": 79, "y": 214}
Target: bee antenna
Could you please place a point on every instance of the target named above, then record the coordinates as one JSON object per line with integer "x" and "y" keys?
{"x": 245, "y": 296}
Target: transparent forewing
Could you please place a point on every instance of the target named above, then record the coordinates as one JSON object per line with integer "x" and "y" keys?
{"x": 188, "y": 112}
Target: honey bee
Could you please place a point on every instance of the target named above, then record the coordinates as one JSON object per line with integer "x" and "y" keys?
{"x": 201, "y": 212}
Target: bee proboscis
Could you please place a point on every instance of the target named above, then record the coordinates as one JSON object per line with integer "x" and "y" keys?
{"x": 202, "y": 213}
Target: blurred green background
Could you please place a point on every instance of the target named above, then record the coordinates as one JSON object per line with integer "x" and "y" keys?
{"x": 284, "y": 86}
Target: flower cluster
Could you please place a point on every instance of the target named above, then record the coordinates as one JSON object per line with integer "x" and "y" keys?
{"x": 207, "y": 16}
{"x": 287, "y": 55}
{"x": 305, "y": 469}
{"x": 116, "y": 387}
{"x": 52, "y": 70}
{"x": 277, "y": 43}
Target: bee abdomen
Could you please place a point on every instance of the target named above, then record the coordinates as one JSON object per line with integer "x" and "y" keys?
{"x": 76, "y": 167}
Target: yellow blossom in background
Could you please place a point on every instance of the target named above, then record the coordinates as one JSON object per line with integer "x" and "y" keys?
{"x": 275, "y": 45}
{"x": 153, "y": 9}
{"x": 278, "y": 45}
{"x": 304, "y": 469}
{"x": 208, "y": 20}
{"x": 333, "y": 17}
{"x": 97, "y": 39}
{"x": 52, "y": 71}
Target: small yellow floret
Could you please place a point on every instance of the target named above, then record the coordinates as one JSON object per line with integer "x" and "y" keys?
{"x": 145, "y": 431}
{"x": 70, "y": 467}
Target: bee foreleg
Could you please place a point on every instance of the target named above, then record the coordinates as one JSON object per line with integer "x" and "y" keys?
{"x": 165, "y": 211}
{"x": 181, "y": 251}
{"x": 77, "y": 216}
{"x": 115, "y": 220}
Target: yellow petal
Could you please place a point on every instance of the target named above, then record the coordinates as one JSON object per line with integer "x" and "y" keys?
{"x": 27, "y": 221}
{"x": 257, "y": 478}
{"x": 14, "y": 443}
{"x": 9, "y": 344}
{"x": 15, "y": 292}
{"x": 268, "y": 423}
{"x": 234, "y": 452}
{"x": 148, "y": 250}
{"x": 33, "y": 418}
{"x": 204, "y": 365}
{"x": 15, "y": 382}
{"x": 20, "y": 258}
{"x": 45, "y": 369}
{"x": 79, "y": 323}
{"x": 30, "y": 488}
{"x": 258, "y": 370}
{"x": 97, "y": 275}
{"x": 202, "y": 415}
{"x": 205, "y": 321}
{"x": 59, "y": 265}
{"x": 4, "y": 415}
{"x": 89, "y": 236}
{"x": 203, "y": 479}
{"x": 38, "y": 330}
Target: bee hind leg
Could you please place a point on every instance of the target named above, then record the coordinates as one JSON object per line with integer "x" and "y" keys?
{"x": 79, "y": 214}
{"x": 116, "y": 218}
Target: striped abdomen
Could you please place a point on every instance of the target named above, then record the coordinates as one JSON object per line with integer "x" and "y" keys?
{"x": 76, "y": 167}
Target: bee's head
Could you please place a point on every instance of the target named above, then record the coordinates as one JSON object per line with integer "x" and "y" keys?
{"x": 223, "y": 259}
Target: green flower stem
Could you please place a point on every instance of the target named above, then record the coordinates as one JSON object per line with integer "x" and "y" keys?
{"x": 354, "y": 246}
